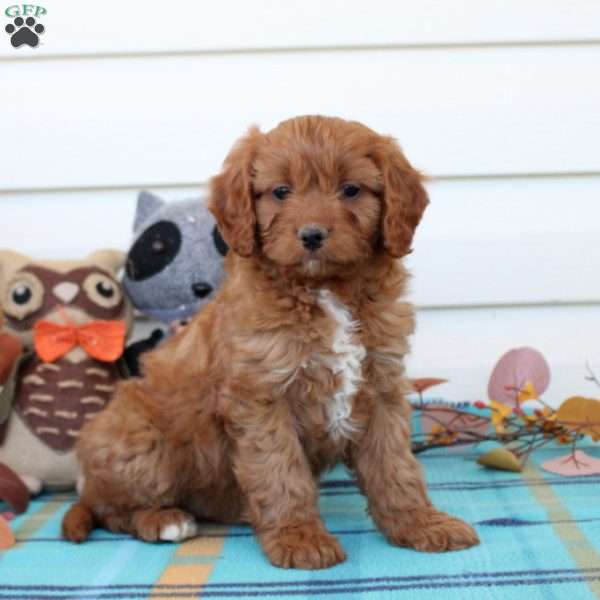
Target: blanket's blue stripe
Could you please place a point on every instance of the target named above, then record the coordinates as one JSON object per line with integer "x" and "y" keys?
{"x": 589, "y": 573}
{"x": 498, "y": 522}
{"x": 471, "y": 486}
{"x": 352, "y": 488}
{"x": 520, "y": 481}
{"x": 334, "y": 483}
{"x": 345, "y": 589}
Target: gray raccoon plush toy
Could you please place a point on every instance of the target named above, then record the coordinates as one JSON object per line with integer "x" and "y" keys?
{"x": 174, "y": 265}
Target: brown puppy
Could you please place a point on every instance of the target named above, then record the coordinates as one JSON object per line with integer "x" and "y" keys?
{"x": 296, "y": 365}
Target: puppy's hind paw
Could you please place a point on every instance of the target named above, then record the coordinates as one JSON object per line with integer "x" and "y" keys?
{"x": 77, "y": 523}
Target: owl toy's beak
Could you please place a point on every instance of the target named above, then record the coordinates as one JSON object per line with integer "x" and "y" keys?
{"x": 66, "y": 291}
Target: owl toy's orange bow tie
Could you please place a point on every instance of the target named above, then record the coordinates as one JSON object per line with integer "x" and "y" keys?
{"x": 103, "y": 340}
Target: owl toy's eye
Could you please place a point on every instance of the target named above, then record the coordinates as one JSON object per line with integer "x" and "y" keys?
{"x": 102, "y": 290}
{"x": 105, "y": 289}
{"x": 24, "y": 295}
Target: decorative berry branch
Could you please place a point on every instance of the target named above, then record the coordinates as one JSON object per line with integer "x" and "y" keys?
{"x": 518, "y": 429}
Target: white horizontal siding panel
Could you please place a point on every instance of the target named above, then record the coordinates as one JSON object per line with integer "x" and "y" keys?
{"x": 463, "y": 346}
{"x": 509, "y": 241}
{"x": 73, "y": 224}
{"x": 171, "y": 120}
{"x": 480, "y": 242}
{"x": 136, "y": 26}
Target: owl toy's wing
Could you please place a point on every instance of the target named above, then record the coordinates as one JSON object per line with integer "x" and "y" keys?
{"x": 7, "y": 394}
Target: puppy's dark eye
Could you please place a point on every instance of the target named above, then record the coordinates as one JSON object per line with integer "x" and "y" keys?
{"x": 350, "y": 190}
{"x": 282, "y": 192}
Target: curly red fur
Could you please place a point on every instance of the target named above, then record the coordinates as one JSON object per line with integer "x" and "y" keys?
{"x": 296, "y": 365}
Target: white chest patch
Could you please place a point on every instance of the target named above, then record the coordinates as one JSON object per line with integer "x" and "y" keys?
{"x": 346, "y": 362}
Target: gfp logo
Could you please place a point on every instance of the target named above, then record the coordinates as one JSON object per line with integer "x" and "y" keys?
{"x": 25, "y": 30}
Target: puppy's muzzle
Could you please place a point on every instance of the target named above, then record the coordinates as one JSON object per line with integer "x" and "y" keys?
{"x": 313, "y": 236}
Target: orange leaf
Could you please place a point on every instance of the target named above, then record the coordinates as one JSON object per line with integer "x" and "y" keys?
{"x": 424, "y": 383}
{"x": 581, "y": 414}
{"x": 7, "y": 537}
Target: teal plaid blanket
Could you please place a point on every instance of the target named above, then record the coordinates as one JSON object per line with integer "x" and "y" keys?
{"x": 540, "y": 539}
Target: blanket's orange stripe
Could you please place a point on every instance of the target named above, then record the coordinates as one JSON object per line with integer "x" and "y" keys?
{"x": 36, "y": 521}
{"x": 183, "y": 569}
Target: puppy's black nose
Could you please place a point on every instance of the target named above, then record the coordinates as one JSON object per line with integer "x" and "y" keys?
{"x": 201, "y": 289}
{"x": 312, "y": 236}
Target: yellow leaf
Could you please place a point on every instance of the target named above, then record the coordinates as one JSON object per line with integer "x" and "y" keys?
{"x": 527, "y": 393}
{"x": 442, "y": 435}
{"x": 499, "y": 413}
{"x": 500, "y": 458}
{"x": 582, "y": 415}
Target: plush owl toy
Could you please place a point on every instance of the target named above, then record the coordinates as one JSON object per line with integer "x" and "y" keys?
{"x": 174, "y": 266}
{"x": 72, "y": 319}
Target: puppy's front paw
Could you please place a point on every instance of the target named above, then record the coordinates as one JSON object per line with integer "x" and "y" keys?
{"x": 433, "y": 531}
{"x": 305, "y": 546}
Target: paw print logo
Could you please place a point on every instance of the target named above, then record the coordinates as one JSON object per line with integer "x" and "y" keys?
{"x": 24, "y": 32}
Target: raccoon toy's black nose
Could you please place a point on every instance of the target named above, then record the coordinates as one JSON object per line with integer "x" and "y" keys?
{"x": 201, "y": 289}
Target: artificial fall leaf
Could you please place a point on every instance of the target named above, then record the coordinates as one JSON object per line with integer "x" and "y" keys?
{"x": 441, "y": 435}
{"x": 522, "y": 374}
{"x": 573, "y": 464}
{"x": 7, "y": 537}
{"x": 13, "y": 490}
{"x": 500, "y": 458}
{"x": 424, "y": 383}
{"x": 499, "y": 414}
{"x": 10, "y": 348}
{"x": 527, "y": 392}
{"x": 447, "y": 425}
{"x": 581, "y": 414}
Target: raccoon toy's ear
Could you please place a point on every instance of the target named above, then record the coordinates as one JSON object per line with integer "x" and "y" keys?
{"x": 147, "y": 204}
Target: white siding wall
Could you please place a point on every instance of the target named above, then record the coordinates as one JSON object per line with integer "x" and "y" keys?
{"x": 498, "y": 102}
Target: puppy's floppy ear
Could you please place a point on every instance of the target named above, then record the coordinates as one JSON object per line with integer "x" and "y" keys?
{"x": 404, "y": 197}
{"x": 232, "y": 197}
